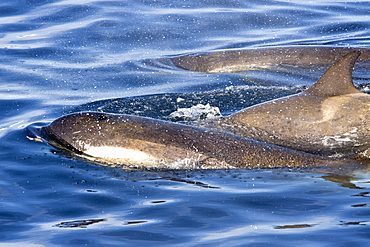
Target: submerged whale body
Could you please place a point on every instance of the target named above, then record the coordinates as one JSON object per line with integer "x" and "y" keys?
{"x": 265, "y": 58}
{"x": 330, "y": 118}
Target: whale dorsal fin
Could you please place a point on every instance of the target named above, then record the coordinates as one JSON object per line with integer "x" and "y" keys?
{"x": 337, "y": 80}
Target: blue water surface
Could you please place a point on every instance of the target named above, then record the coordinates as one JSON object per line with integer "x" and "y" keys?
{"x": 60, "y": 56}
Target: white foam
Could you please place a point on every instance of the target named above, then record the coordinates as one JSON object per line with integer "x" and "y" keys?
{"x": 197, "y": 112}
{"x": 336, "y": 140}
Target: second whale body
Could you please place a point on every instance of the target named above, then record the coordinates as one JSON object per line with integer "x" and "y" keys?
{"x": 265, "y": 58}
{"x": 328, "y": 119}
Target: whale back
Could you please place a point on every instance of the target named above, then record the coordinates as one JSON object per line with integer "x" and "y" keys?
{"x": 329, "y": 118}
{"x": 269, "y": 58}
{"x": 139, "y": 141}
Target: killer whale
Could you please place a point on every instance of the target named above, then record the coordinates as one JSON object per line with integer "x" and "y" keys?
{"x": 140, "y": 141}
{"x": 228, "y": 61}
{"x": 145, "y": 142}
{"x": 330, "y": 118}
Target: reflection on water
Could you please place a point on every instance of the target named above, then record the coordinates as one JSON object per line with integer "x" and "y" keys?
{"x": 78, "y": 223}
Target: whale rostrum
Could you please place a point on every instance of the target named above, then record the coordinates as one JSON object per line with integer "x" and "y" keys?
{"x": 318, "y": 127}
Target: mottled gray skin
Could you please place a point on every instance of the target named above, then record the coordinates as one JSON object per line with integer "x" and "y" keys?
{"x": 169, "y": 144}
{"x": 264, "y": 58}
{"x": 330, "y": 118}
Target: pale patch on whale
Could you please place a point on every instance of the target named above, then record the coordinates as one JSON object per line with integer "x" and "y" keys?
{"x": 335, "y": 105}
{"x": 119, "y": 153}
{"x": 135, "y": 157}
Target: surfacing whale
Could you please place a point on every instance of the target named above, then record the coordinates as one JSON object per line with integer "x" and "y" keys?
{"x": 145, "y": 142}
{"x": 330, "y": 118}
{"x": 332, "y": 104}
{"x": 265, "y": 58}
